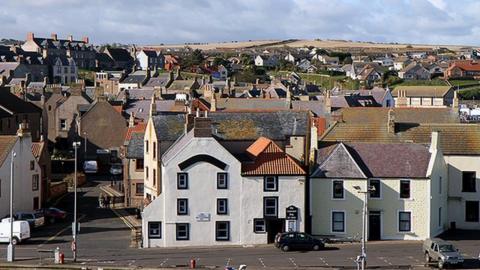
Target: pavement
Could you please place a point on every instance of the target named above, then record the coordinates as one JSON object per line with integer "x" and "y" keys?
{"x": 104, "y": 243}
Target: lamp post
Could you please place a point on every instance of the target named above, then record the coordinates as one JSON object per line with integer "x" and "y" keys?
{"x": 361, "y": 260}
{"x": 11, "y": 246}
{"x": 75, "y": 225}
{"x": 85, "y": 144}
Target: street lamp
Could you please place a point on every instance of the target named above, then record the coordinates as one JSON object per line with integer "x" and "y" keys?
{"x": 361, "y": 260}
{"x": 11, "y": 246}
{"x": 85, "y": 144}
{"x": 75, "y": 225}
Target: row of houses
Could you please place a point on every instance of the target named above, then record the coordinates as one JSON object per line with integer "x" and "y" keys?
{"x": 208, "y": 171}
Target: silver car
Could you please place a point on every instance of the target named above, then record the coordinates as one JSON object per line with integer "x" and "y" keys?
{"x": 441, "y": 252}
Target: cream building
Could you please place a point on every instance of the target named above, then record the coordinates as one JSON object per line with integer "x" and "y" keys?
{"x": 409, "y": 200}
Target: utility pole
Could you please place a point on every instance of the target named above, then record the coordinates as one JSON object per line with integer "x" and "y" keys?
{"x": 11, "y": 246}
{"x": 75, "y": 224}
{"x": 362, "y": 259}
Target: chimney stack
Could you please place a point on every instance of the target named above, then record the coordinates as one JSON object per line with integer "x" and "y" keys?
{"x": 153, "y": 106}
{"x": 23, "y": 130}
{"x": 434, "y": 143}
{"x": 202, "y": 127}
{"x": 85, "y": 40}
{"x": 455, "y": 100}
{"x": 30, "y": 36}
{"x": 70, "y": 38}
{"x": 54, "y": 36}
{"x": 213, "y": 103}
{"x": 391, "y": 121}
{"x": 131, "y": 120}
{"x": 328, "y": 101}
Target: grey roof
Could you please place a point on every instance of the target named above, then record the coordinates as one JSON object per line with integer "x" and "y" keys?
{"x": 135, "y": 146}
{"x": 252, "y": 104}
{"x": 134, "y": 79}
{"x": 238, "y": 126}
{"x": 160, "y": 80}
{"x": 315, "y": 106}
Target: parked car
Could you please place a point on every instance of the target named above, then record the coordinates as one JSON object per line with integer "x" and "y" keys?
{"x": 441, "y": 252}
{"x": 116, "y": 169}
{"x": 35, "y": 219}
{"x": 296, "y": 240}
{"x": 21, "y": 231}
{"x": 90, "y": 166}
{"x": 53, "y": 214}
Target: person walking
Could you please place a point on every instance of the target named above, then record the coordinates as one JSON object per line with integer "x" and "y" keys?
{"x": 100, "y": 200}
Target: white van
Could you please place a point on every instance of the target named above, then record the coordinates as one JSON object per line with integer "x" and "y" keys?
{"x": 21, "y": 231}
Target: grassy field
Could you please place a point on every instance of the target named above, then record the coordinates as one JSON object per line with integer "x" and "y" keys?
{"x": 434, "y": 82}
{"x": 463, "y": 83}
{"x": 323, "y": 80}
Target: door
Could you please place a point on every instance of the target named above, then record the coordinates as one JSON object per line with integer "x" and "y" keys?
{"x": 374, "y": 226}
{"x": 274, "y": 226}
{"x": 36, "y": 203}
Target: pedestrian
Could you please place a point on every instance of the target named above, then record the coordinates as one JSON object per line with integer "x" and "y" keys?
{"x": 100, "y": 200}
{"x": 107, "y": 201}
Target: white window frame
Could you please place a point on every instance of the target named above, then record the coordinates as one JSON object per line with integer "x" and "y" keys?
{"x": 268, "y": 178}
{"x": 187, "y": 237}
{"x": 380, "y": 185}
{"x": 155, "y": 236}
{"x": 180, "y": 179}
{"x": 344, "y": 222}
{"x": 398, "y": 221}
{"x": 227, "y": 238}
{"x": 225, "y": 180}
{"x": 400, "y": 189}
{"x": 225, "y": 206}
{"x": 264, "y": 230}
{"x": 179, "y": 206}
{"x": 332, "y": 190}
{"x": 265, "y": 206}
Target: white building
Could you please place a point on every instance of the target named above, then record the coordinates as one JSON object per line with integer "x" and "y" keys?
{"x": 209, "y": 196}
{"x": 27, "y": 186}
{"x": 147, "y": 59}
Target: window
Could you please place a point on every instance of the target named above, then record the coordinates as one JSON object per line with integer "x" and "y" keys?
{"x": 469, "y": 182}
{"x": 63, "y": 124}
{"x": 439, "y": 217}
{"x": 182, "y": 181}
{"x": 139, "y": 164}
{"x": 35, "y": 182}
{"x": 471, "y": 211}
{"x": 222, "y": 206}
{"x": 146, "y": 173}
{"x": 338, "y": 221}
{"x": 405, "y": 189}
{"x": 404, "y": 221}
{"x": 146, "y": 146}
{"x": 270, "y": 183}
{"x": 32, "y": 165}
{"x": 154, "y": 149}
{"x": 259, "y": 226}
{"x": 440, "y": 182}
{"x": 376, "y": 193}
{"x": 8, "y": 123}
{"x": 154, "y": 176}
{"x": 222, "y": 230}
{"x": 222, "y": 180}
{"x": 183, "y": 231}
{"x": 270, "y": 205}
{"x": 182, "y": 207}
{"x": 155, "y": 230}
{"x": 139, "y": 187}
{"x": 338, "y": 190}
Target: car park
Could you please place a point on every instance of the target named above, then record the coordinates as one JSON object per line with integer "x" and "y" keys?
{"x": 297, "y": 241}
{"x": 442, "y": 253}
{"x": 34, "y": 219}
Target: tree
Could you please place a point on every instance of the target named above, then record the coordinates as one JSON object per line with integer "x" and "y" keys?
{"x": 195, "y": 58}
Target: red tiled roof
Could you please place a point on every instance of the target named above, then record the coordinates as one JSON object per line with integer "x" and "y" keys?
{"x": 119, "y": 109}
{"x": 6, "y": 145}
{"x": 270, "y": 159}
{"x": 466, "y": 65}
{"x": 138, "y": 128}
{"x": 37, "y": 148}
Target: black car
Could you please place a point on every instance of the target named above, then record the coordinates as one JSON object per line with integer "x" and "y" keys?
{"x": 296, "y": 240}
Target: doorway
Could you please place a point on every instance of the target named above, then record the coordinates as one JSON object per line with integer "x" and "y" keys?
{"x": 274, "y": 226}
{"x": 374, "y": 226}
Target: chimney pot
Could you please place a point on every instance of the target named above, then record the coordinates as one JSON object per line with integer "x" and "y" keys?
{"x": 54, "y": 36}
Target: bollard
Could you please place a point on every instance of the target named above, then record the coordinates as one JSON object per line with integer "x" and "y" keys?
{"x": 56, "y": 253}
{"x": 193, "y": 264}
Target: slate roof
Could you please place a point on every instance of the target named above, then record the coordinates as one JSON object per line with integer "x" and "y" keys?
{"x": 135, "y": 146}
{"x": 422, "y": 91}
{"x": 14, "y": 104}
{"x": 315, "y": 106}
{"x": 373, "y": 160}
{"x": 269, "y": 159}
{"x": 225, "y": 104}
{"x": 134, "y": 79}
{"x": 159, "y": 81}
{"x": 169, "y": 126}
{"x": 6, "y": 145}
{"x": 120, "y": 54}
{"x": 402, "y": 115}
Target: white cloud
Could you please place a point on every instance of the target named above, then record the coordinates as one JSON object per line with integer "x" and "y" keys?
{"x": 153, "y": 22}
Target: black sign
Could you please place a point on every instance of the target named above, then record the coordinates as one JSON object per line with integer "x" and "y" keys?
{"x": 291, "y": 213}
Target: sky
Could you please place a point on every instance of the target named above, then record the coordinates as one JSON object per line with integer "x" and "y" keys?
{"x": 179, "y": 21}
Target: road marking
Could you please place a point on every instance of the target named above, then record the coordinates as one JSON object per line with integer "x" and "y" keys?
{"x": 323, "y": 261}
{"x": 228, "y": 262}
{"x": 293, "y": 262}
{"x": 123, "y": 219}
{"x": 261, "y": 261}
{"x": 60, "y": 232}
{"x": 164, "y": 261}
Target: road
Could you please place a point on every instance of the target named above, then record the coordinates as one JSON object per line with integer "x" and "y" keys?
{"x": 104, "y": 240}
